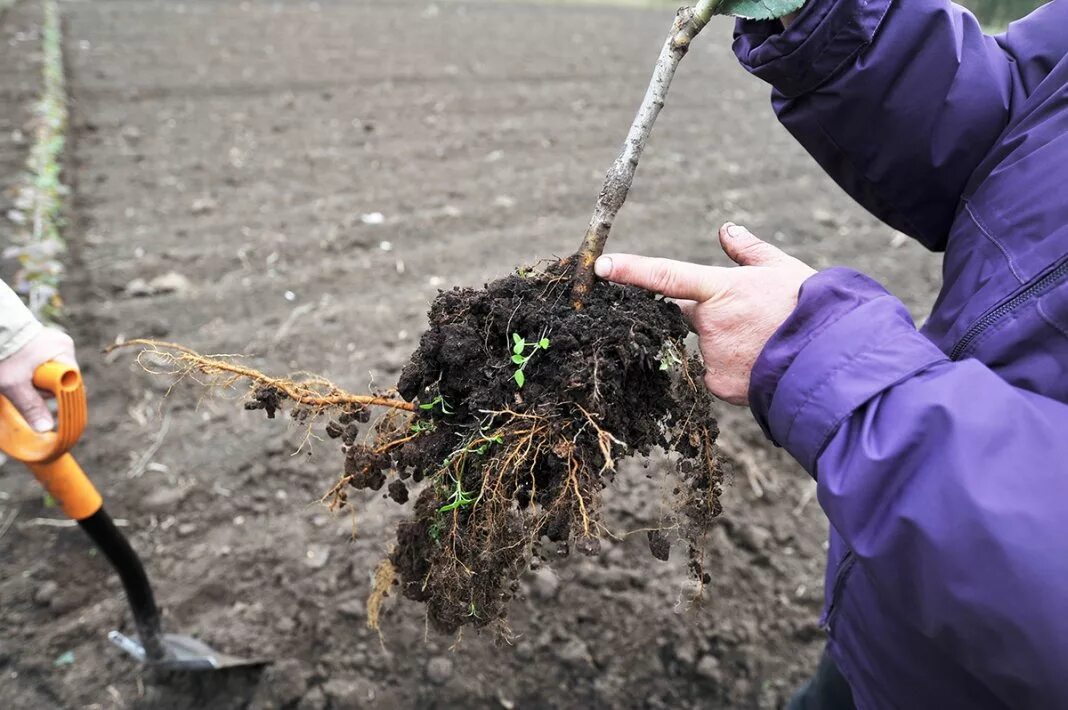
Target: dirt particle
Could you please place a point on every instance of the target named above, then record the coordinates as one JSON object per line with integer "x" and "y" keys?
{"x": 353, "y": 608}
{"x": 439, "y": 669}
{"x": 659, "y": 545}
{"x": 316, "y": 556}
{"x": 708, "y": 668}
{"x": 398, "y": 491}
{"x": 544, "y": 584}
{"x": 45, "y": 593}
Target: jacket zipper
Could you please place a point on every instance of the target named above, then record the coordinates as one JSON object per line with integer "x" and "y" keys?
{"x": 1035, "y": 289}
{"x": 839, "y": 585}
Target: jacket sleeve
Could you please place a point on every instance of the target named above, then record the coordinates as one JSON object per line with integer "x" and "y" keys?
{"x": 949, "y": 485}
{"x": 17, "y": 324}
{"x": 899, "y": 100}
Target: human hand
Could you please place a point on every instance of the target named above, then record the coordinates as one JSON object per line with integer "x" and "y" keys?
{"x": 734, "y": 311}
{"x": 16, "y": 374}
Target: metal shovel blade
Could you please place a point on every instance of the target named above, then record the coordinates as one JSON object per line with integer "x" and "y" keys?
{"x": 183, "y": 653}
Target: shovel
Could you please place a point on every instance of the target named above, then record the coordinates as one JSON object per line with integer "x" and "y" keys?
{"x": 47, "y": 455}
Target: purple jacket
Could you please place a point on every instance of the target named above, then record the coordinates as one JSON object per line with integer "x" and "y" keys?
{"x": 941, "y": 455}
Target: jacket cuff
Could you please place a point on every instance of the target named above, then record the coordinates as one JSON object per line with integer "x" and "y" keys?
{"x": 826, "y": 35}
{"x": 847, "y": 341}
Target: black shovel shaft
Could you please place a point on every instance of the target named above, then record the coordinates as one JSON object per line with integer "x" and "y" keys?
{"x": 101, "y": 528}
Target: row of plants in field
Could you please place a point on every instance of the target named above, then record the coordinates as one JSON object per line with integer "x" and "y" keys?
{"x": 38, "y": 243}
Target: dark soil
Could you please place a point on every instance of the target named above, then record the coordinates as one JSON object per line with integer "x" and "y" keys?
{"x": 526, "y": 405}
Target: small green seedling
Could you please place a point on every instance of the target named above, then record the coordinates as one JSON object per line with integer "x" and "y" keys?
{"x": 422, "y": 426}
{"x": 438, "y": 401}
{"x": 669, "y": 357}
{"x": 489, "y": 441}
{"x": 459, "y": 498}
{"x": 521, "y": 357}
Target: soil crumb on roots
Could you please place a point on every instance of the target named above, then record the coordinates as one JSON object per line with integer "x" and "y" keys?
{"x": 502, "y": 463}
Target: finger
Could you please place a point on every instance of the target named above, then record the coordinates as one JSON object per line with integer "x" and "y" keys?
{"x": 31, "y": 406}
{"x": 675, "y": 279}
{"x": 745, "y": 249}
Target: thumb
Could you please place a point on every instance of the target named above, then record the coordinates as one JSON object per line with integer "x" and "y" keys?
{"x": 745, "y": 249}
{"x": 31, "y": 405}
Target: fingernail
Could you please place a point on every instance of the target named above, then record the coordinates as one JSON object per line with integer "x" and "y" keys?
{"x": 736, "y": 230}
{"x": 42, "y": 425}
{"x": 603, "y": 266}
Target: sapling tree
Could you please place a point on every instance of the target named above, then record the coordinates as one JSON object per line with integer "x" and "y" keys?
{"x": 689, "y": 21}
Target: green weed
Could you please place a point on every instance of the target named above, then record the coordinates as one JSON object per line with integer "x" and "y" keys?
{"x": 522, "y": 352}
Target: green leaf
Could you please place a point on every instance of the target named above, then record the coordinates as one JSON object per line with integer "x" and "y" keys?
{"x": 543, "y": 343}
{"x": 518, "y": 359}
{"x": 519, "y": 344}
{"x": 519, "y": 378}
{"x": 758, "y": 9}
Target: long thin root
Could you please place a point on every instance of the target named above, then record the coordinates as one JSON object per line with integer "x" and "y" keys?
{"x": 314, "y": 391}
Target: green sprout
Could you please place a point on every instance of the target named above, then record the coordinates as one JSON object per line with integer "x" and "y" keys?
{"x": 521, "y": 357}
{"x": 487, "y": 442}
{"x": 459, "y": 498}
{"x": 422, "y": 426}
{"x": 472, "y": 610}
{"x": 438, "y": 401}
{"x": 669, "y": 357}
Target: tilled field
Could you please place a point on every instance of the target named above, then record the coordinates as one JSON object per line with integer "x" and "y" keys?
{"x": 295, "y": 181}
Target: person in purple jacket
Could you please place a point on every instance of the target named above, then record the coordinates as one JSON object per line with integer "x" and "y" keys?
{"x": 941, "y": 454}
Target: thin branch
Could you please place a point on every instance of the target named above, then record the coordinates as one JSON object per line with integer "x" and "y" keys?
{"x": 688, "y": 23}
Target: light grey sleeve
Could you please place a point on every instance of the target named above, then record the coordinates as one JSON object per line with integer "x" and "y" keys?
{"x": 17, "y": 324}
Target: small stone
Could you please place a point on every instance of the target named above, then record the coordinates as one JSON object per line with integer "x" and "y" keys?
{"x": 203, "y": 205}
{"x": 170, "y": 282}
{"x": 45, "y": 593}
{"x": 439, "y": 669}
{"x": 353, "y": 608}
{"x": 708, "y": 667}
{"x": 686, "y": 653}
{"x": 137, "y": 288}
{"x": 372, "y": 218}
{"x": 186, "y": 529}
{"x": 162, "y": 500}
{"x": 316, "y": 556}
{"x": 574, "y": 651}
{"x": 544, "y": 584}
{"x": 823, "y": 217}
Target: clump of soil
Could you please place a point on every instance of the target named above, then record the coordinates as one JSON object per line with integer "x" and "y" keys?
{"x": 500, "y": 463}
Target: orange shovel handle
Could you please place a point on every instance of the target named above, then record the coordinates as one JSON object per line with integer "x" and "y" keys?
{"x": 46, "y": 453}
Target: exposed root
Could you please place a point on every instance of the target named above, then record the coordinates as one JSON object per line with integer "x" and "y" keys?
{"x": 312, "y": 391}
{"x": 385, "y": 576}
